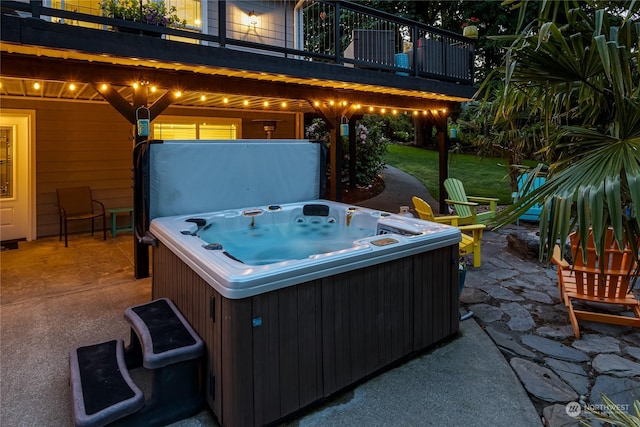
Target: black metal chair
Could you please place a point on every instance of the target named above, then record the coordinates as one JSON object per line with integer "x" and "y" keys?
{"x": 77, "y": 204}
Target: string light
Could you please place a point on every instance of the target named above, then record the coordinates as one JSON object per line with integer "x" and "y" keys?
{"x": 36, "y": 85}
{"x": 72, "y": 86}
{"x": 283, "y": 104}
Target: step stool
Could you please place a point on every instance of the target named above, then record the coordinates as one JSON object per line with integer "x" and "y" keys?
{"x": 163, "y": 342}
{"x": 102, "y": 390}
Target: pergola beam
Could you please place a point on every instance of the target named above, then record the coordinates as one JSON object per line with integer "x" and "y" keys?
{"x": 41, "y": 68}
{"x": 117, "y": 101}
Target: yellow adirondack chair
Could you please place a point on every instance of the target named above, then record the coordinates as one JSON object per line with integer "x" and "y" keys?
{"x": 470, "y": 244}
{"x": 466, "y": 207}
{"x": 588, "y": 283}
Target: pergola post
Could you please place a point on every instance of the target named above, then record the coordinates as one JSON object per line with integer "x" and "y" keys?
{"x": 140, "y": 215}
{"x": 423, "y": 126}
{"x": 333, "y": 116}
{"x": 440, "y": 121}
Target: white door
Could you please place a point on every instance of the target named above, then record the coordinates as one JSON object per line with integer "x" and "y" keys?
{"x": 16, "y": 143}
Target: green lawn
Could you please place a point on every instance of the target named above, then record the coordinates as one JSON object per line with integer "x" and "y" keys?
{"x": 481, "y": 176}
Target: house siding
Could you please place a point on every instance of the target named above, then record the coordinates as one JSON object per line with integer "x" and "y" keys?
{"x": 270, "y": 30}
{"x": 80, "y": 143}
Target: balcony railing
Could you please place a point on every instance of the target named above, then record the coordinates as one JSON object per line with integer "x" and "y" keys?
{"x": 336, "y": 32}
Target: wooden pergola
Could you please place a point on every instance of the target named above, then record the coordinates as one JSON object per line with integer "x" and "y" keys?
{"x": 39, "y": 50}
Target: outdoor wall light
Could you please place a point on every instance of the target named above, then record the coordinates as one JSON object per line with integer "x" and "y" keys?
{"x": 253, "y": 18}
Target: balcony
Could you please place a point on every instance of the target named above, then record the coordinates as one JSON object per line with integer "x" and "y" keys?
{"x": 317, "y": 45}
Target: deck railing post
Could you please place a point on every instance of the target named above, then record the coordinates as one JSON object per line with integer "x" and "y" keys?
{"x": 222, "y": 22}
{"x": 336, "y": 34}
{"x": 414, "y": 51}
{"x": 35, "y": 8}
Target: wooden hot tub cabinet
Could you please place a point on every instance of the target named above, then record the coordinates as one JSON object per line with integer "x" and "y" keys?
{"x": 273, "y": 354}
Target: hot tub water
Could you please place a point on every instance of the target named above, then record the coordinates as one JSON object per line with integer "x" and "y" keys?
{"x": 272, "y": 243}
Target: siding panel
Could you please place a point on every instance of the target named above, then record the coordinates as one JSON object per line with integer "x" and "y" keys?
{"x": 89, "y": 143}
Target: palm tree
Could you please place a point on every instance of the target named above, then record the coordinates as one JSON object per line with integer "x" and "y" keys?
{"x": 578, "y": 66}
{"x": 500, "y": 127}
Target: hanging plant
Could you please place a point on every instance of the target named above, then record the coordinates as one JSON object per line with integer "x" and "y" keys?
{"x": 147, "y": 12}
{"x": 470, "y": 27}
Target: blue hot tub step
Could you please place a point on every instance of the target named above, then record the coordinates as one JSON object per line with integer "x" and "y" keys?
{"x": 101, "y": 388}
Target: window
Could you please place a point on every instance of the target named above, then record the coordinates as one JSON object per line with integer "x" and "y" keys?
{"x": 79, "y": 6}
{"x": 7, "y": 149}
{"x": 189, "y": 10}
{"x": 181, "y": 128}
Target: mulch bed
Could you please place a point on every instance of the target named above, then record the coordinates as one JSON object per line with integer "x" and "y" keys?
{"x": 359, "y": 194}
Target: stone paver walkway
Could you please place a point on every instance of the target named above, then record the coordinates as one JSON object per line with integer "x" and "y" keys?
{"x": 515, "y": 299}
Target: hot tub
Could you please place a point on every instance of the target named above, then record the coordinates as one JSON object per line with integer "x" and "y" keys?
{"x": 298, "y": 301}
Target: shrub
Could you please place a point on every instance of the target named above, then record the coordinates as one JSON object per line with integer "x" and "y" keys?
{"x": 371, "y": 146}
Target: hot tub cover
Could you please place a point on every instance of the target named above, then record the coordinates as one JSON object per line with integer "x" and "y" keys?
{"x": 205, "y": 176}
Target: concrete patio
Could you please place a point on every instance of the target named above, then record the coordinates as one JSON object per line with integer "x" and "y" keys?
{"x": 515, "y": 363}
{"x": 56, "y": 299}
